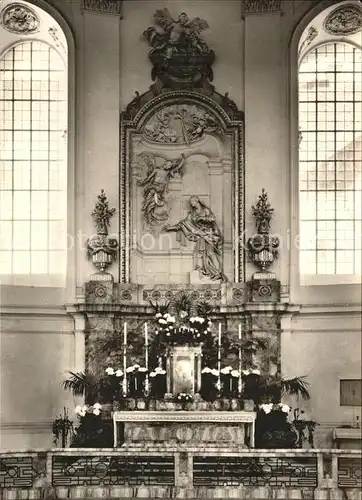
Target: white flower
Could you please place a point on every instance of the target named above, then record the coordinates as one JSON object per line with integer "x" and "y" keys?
{"x": 153, "y": 374}
{"x": 109, "y": 371}
{"x": 267, "y": 408}
{"x": 171, "y": 319}
{"x": 206, "y": 370}
{"x": 226, "y": 370}
{"x": 162, "y": 321}
{"x": 97, "y": 406}
{"x": 284, "y": 408}
{"x": 255, "y": 372}
{"x": 215, "y": 372}
{"x": 234, "y": 373}
{"x": 130, "y": 369}
{"x": 81, "y": 410}
{"x": 142, "y": 369}
{"x": 96, "y": 411}
{"x": 158, "y": 315}
{"x": 201, "y": 320}
{"x": 119, "y": 373}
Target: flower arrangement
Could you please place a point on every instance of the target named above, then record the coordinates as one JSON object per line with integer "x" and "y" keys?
{"x": 136, "y": 375}
{"x": 82, "y": 411}
{"x": 182, "y": 330}
{"x": 272, "y": 427}
{"x": 184, "y": 398}
{"x": 229, "y": 381}
{"x": 158, "y": 382}
{"x": 209, "y": 379}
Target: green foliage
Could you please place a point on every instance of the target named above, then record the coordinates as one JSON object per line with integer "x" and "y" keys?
{"x": 62, "y": 429}
{"x": 81, "y": 383}
{"x": 102, "y": 390}
{"x": 296, "y": 386}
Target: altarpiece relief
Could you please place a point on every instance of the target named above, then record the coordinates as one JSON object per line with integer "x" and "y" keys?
{"x": 181, "y": 171}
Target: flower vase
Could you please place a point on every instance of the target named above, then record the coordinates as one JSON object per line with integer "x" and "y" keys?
{"x": 141, "y": 404}
{"x": 248, "y": 405}
{"x": 106, "y": 411}
{"x": 216, "y": 405}
{"x": 234, "y": 404}
{"x": 225, "y": 404}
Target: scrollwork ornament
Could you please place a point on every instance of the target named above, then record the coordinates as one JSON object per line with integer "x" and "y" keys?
{"x": 20, "y": 19}
{"x": 100, "y": 247}
{"x": 263, "y": 247}
{"x": 345, "y": 20}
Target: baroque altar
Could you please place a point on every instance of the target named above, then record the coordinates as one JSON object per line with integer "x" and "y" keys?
{"x": 180, "y": 252}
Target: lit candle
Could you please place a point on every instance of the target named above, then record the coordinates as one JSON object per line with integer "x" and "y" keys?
{"x": 219, "y": 358}
{"x": 124, "y": 359}
{"x": 125, "y": 333}
{"x": 146, "y": 357}
{"x": 240, "y": 361}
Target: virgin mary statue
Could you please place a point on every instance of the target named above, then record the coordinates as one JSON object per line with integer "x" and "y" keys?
{"x": 200, "y": 226}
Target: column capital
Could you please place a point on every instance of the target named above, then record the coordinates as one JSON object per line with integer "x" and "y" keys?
{"x": 261, "y": 7}
{"x": 113, "y": 7}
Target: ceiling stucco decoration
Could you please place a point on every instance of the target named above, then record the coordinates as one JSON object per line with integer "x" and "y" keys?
{"x": 103, "y": 6}
{"x": 312, "y": 33}
{"x": 345, "y": 20}
{"x": 20, "y": 19}
{"x": 261, "y": 6}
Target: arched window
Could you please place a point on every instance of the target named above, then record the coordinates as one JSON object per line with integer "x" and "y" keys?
{"x": 33, "y": 158}
{"x": 330, "y": 152}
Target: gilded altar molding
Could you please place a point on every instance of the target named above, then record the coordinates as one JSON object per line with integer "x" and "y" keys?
{"x": 20, "y": 19}
{"x": 261, "y": 6}
{"x": 345, "y": 20}
{"x": 114, "y": 7}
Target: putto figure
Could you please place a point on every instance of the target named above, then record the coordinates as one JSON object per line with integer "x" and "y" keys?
{"x": 155, "y": 184}
{"x": 170, "y": 37}
{"x": 200, "y": 226}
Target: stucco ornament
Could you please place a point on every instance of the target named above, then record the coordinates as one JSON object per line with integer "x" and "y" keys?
{"x": 18, "y": 18}
{"x": 180, "y": 124}
{"x": 157, "y": 173}
{"x": 100, "y": 247}
{"x": 178, "y": 51}
{"x": 263, "y": 247}
{"x": 345, "y": 20}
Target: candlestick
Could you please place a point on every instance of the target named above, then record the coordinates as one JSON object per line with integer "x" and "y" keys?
{"x": 219, "y": 358}
{"x": 240, "y": 362}
{"x": 146, "y": 358}
{"x": 125, "y": 359}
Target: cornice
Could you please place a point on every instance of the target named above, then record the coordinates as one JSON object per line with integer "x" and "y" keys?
{"x": 261, "y": 7}
{"x": 184, "y": 416}
{"x": 111, "y": 7}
